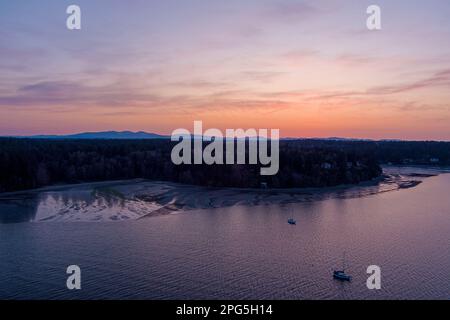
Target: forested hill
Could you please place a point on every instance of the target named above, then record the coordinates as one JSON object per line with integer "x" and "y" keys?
{"x": 32, "y": 163}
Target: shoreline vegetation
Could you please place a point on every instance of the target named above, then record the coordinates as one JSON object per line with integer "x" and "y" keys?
{"x": 33, "y": 163}
{"x": 106, "y": 187}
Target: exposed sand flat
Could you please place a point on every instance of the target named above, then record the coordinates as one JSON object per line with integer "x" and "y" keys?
{"x": 136, "y": 199}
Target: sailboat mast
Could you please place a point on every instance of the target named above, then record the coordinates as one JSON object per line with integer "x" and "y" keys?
{"x": 343, "y": 261}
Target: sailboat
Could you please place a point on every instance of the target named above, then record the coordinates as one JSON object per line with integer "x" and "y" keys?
{"x": 340, "y": 274}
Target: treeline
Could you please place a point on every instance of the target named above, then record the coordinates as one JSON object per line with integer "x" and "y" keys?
{"x": 30, "y": 163}
{"x": 414, "y": 152}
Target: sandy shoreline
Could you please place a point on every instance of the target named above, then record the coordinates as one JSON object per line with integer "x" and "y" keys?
{"x": 138, "y": 199}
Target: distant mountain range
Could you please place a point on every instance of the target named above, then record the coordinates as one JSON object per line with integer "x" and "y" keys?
{"x": 328, "y": 139}
{"x": 121, "y": 135}
{"x": 130, "y": 135}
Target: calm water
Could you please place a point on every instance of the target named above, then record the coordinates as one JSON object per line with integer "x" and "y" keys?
{"x": 243, "y": 252}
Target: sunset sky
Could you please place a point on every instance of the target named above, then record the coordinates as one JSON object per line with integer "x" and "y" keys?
{"x": 309, "y": 68}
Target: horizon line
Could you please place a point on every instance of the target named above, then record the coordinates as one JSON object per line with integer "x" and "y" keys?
{"x": 62, "y": 135}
